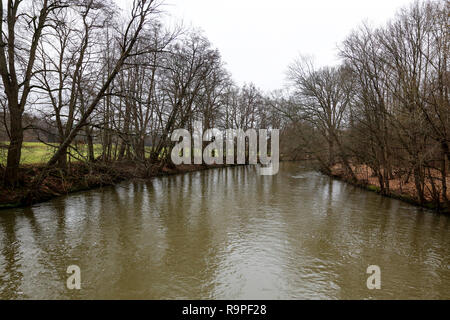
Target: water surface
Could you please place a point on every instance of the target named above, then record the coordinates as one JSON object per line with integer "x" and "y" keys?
{"x": 225, "y": 234}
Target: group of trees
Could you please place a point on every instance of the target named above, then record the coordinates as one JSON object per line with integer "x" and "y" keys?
{"x": 55, "y": 50}
{"x": 387, "y": 106}
{"x": 93, "y": 77}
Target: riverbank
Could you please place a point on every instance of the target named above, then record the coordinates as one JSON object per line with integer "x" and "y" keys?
{"x": 84, "y": 177}
{"x": 399, "y": 189}
{"x": 81, "y": 177}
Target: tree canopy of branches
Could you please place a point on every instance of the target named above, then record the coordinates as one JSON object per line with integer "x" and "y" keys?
{"x": 95, "y": 77}
{"x": 387, "y": 106}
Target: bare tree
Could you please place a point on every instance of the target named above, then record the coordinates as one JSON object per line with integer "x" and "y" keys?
{"x": 141, "y": 11}
{"x": 323, "y": 98}
{"x": 21, "y": 30}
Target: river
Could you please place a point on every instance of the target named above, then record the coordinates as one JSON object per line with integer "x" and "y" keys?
{"x": 225, "y": 234}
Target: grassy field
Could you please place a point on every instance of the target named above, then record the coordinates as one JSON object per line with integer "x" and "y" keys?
{"x": 37, "y": 153}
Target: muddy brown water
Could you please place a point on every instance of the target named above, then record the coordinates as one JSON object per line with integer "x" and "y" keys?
{"x": 225, "y": 234}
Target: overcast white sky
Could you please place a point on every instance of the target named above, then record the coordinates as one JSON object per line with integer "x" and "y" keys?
{"x": 258, "y": 39}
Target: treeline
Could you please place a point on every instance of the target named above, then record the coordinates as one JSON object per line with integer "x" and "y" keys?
{"x": 52, "y": 57}
{"x": 384, "y": 113}
{"x": 94, "y": 76}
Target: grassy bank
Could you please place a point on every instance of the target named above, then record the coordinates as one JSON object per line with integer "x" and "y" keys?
{"x": 34, "y": 153}
{"x": 80, "y": 177}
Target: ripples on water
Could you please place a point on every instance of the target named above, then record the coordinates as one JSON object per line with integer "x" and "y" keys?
{"x": 225, "y": 234}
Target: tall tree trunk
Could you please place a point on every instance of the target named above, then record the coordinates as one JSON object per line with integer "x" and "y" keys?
{"x": 419, "y": 181}
{"x": 15, "y": 147}
{"x": 62, "y": 160}
{"x": 122, "y": 150}
{"x": 330, "y": 152}
{"x": 445, "y": 159}
{"x": 90, "y": 145}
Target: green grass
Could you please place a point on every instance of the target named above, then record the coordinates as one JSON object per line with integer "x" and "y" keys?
{"x": 374, "y": 188}
{"x": 37, "y": 153}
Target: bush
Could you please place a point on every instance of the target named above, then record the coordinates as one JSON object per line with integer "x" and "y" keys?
{"x": 374, "y": 188}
